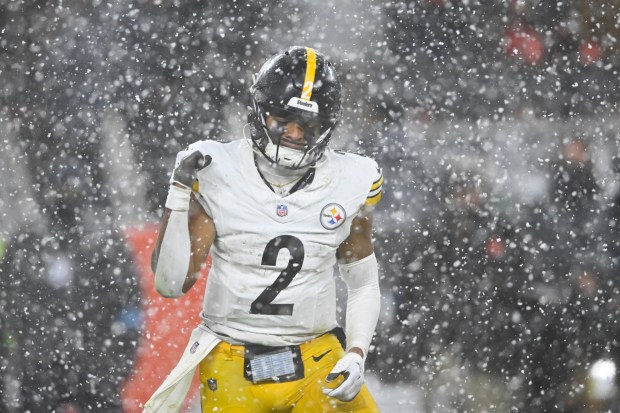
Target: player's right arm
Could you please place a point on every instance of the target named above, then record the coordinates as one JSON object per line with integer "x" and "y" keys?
{"x": 186, "y": 232}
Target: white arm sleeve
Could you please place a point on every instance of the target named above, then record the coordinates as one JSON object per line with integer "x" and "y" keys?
{"x": 175, "y": 248}
{"x": 363, "y": 302}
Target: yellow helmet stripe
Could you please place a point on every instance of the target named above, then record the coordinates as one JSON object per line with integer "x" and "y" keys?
{"x": 306, "y": 92}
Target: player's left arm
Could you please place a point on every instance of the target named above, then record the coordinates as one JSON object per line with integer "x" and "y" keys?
{"x": 358, "y": 244}
{"x": 359, "y": 269}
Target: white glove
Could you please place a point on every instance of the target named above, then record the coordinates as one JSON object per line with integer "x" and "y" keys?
{"x": 351, "y": 367}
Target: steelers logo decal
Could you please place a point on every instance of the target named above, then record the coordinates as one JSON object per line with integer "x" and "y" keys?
{"x": 332, "y": 216}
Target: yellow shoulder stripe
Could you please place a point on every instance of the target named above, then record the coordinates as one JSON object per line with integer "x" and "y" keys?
{"x": 373, "y": 200}
{"x": 377, "y": 183}
{"x": 376, "y": 189}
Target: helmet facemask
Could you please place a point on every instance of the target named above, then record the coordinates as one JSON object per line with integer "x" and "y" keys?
{"x": 271, "y": 125}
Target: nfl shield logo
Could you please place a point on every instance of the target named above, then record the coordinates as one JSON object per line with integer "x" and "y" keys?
{"x": 282, "y": 210}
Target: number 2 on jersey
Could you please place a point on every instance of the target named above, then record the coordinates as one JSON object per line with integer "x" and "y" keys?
{"x": 263, "y": 304}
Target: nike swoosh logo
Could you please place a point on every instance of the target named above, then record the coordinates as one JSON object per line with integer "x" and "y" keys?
{"x": 320, "y": 356}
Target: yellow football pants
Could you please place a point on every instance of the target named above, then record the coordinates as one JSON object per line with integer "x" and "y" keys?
{"x": 224, "y": 388}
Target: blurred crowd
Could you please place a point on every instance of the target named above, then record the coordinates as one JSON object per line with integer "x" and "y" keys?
{"x": 492, "y": 302}
{"x": 480, "y": 59}
{"x": 497, "y": 234}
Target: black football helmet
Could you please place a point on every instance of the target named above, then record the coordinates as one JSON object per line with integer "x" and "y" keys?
{"x": 297, "y": 85}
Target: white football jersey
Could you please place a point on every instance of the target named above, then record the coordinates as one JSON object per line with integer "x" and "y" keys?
{"x": 272, "y": 276}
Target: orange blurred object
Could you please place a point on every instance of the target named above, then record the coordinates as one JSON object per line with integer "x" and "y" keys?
{"x": 524, "y": 43}
{"x": 590, "y": 52}
{"x": 496, "y": 247}
{"x": 166, "y": 325}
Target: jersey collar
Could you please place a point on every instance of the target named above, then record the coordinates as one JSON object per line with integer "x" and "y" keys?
{"x": 308, "y": 181}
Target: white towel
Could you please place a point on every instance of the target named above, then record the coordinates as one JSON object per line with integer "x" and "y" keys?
{"x": 169, "y": 397}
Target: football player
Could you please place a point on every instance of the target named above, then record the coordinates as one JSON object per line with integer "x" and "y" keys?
{"x": 276, "y": 212}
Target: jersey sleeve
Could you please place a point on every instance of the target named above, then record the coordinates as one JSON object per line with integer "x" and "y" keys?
{"x": 376, "y": 190}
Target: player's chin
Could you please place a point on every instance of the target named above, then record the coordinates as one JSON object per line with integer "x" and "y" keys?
{"x": 298, "y": 145}
{"x": 301, "y": 146}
